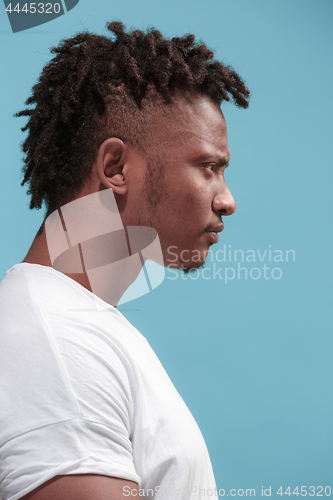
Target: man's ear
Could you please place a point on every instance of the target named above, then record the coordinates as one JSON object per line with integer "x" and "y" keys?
{"x": 110, "y": 161}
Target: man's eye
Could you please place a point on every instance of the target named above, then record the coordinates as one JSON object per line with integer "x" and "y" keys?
{"x": 211, "y": 166}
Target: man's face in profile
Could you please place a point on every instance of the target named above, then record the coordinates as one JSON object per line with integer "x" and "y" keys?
{"x": 193, "y": 195}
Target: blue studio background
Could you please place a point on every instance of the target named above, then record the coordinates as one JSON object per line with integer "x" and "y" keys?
{"x": 252, "y": 358}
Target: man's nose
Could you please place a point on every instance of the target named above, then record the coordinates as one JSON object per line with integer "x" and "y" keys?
{"x": 224, "y": 203}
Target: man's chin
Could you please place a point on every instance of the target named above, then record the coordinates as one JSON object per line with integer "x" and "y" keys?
{"x": 191, "y": 267}
{"x": 186, "y": 260}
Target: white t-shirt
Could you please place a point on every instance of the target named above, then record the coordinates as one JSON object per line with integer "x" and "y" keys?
{"x": 81, "y": 391}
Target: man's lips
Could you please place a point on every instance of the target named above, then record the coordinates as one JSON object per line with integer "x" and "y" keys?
{"x": 213, "y": 230}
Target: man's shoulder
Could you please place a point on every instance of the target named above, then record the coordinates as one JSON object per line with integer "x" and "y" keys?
{"x": 26, "y": 280}
{"x": 43, "y": 304}
{"x": 26, "y": 287}
{"x": 17, "y": 301}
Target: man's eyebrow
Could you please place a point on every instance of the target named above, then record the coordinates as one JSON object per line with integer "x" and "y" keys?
{"x": 222, "y": 161}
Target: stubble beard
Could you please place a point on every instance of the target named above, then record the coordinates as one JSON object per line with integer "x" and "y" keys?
{"x": 154, "y": 191}
{"x": 154, "y": 183}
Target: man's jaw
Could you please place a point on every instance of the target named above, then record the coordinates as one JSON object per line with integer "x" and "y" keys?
{"x": 191, "y": 266}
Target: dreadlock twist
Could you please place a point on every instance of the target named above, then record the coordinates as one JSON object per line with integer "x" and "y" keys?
{"x": 94, "y": 83}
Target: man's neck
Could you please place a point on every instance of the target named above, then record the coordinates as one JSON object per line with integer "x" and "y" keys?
{"x": 38, "y": 254}
{"x": 109, "y": 282}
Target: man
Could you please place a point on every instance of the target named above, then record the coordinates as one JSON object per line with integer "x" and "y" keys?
{"x": 134, "y": 127}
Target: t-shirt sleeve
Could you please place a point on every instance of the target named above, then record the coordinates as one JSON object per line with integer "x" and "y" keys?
{"x": 65, "y": 399}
